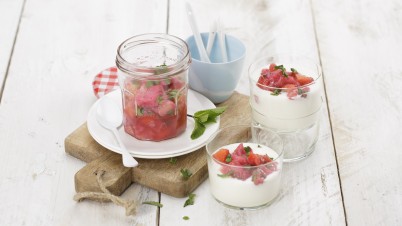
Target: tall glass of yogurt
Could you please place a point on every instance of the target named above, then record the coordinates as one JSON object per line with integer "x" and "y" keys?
{"x": 244, "y": 166}
{"x": 286, "y": 96}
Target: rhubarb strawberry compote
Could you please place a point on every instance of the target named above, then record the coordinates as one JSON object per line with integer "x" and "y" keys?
{"x": 286, "y": 96}
{"x": 153, "y": 77}
{"x": 245, "y": 171}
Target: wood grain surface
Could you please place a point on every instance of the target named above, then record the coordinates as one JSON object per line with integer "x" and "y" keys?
{"x": 366, "y": 118}
{"x": 10, "y": 14}
{"x": 158, "y": 174}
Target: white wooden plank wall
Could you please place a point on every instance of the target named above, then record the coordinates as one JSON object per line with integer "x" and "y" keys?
{"x": 360, "y": 46}
{"x": 10, "y": 11}
{"x": 311, "y": 192}
{"x": 61, "y": 46}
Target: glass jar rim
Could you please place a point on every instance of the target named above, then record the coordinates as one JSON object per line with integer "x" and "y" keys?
{"x": 143, "y": 71}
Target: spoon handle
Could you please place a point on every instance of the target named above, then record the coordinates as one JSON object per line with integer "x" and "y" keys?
{"x": 197, "y": 36}
{"x": 128, "y": 160}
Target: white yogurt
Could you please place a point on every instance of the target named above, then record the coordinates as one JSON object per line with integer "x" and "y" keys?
{"x": 239, "y": 193}
{"x": 281, "y": 113}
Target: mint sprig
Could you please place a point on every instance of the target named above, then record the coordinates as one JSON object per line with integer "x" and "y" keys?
{"x": 203, "y": 118}
{"x": 161, "y": 69}
{"x": 185, "y": 174}
{"x": 190, "y": 200}
{"x": 153, "y": 203}
{"x": 228, "y": 174}
{"x": 283, "y": 69}
{"x": 276, "y": 92}
{"x": 173, "y": 160}
{"x": 247, "y": 149}
{"x": 228, "y": 158}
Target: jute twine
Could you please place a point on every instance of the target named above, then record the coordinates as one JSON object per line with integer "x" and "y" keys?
{"x": 129, "y": 205}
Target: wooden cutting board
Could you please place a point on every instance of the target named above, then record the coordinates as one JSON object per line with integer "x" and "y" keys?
{"x": 159, "y": 174}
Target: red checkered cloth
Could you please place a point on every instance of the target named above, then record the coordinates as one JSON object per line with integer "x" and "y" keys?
{"x": 105, "y": 81}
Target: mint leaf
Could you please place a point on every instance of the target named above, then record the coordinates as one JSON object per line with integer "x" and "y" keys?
{"x": 190, "y": 200}
{"x": 173, "y": 160}
{"x": 211, "y": 112}
{"x": 228, "y": 158}
{"x": 161, "y": 69}
{"x": 159, "y": 99}
{"x": 185, "y": 174}
{"x": 228, "y": 174}
{"x": 186, "y": 218}
{"x": 293, "y": 70}
{"x": 149, "y": 83}
{"x": 198, "y": 130}
{"x": 276, "y": 92}
{"x": 204, "y": 117}
{"x": 140, "y": 111}
{"x": 172, "y": 94}
{"x": 153, "y": 203}
{"x": 283, "y": 69}
{"x": 247, "y": 149}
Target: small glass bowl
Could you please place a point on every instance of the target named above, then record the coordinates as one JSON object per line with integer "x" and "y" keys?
{"x": 245, "y": 186}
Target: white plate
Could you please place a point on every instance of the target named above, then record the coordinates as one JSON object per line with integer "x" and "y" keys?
{"x": 179, "y": 145}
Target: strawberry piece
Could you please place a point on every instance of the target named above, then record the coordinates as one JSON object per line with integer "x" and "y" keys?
{"x": 166, "y": 107}
{"x": 304, "y": 80}
{"x": 221, "y": 155}
{"x": 131, "y": 86}
{"x": 291, "y": 80}
{"x": 272, "y": 67}
{"x": 240, "y": 160}
{"x": 148, "y": 97}
{"x": 291, "y": 74}
{"x": 265, "y": 72}
{"x": 239, "y": 150}
{"x": 176, "y": 83}
{"x": 263, "y": 82}
{"x": 265, "y": 159}
{"x": 227, "y": 170}
{"x": 254, "y": 159}
{"x": 235, "y": 171}
{"x": 258, "y": 176}
{"x": 292, "y": 93}
{"x": 266, "y": 169}
{"x": 242, "y": 173}
{"x": 289, "y": 87}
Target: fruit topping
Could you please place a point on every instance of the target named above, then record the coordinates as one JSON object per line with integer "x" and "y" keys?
{"x": 155, "y": 108}
{"x": 244, "y": 156}
{"x": 221, "y": 155}
{"x": 277, "y": 80}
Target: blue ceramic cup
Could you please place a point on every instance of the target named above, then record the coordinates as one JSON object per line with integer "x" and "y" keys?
{"x": 216, "y": 80}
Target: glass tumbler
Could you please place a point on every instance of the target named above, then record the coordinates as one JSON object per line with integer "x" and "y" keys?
{"x": 244, "y": 166}
{"x": 293, "y": 111}
{"x": 153, "y": 78}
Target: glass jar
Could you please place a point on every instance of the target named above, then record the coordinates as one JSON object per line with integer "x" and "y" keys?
{"x": 153, "y": 78}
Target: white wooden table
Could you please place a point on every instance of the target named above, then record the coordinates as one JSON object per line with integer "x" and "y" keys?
{"x": 51, "y": 50}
